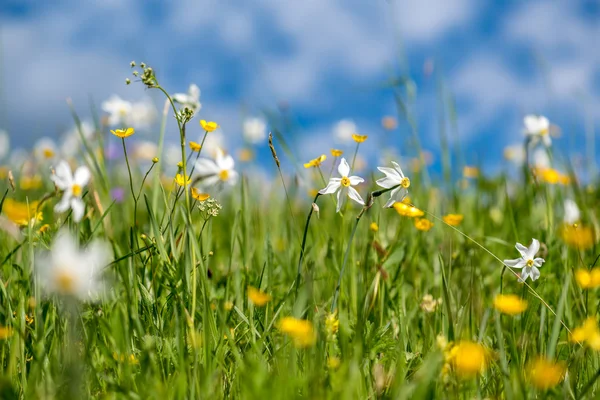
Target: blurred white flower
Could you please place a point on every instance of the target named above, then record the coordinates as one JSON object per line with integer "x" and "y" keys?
{"x": 255, "y": 130}
{"x": 527, "y": 262}
{"x": 538, "y": 128}
{"x": 218, "y": 171}
{"x": 515, "y": 153}
{"x": 72, "y": 187}
{"x": 4, "y": 144}
{"x": 343, "y": 185}
{"x": 147, "y": 150}
{"x": 344, "y": 129}
{"x": 143, "y": 114}
{"x": 191, "y": 99}
{"x": 394, "y": 177}
{"x": 45, "y": 149}
{"x": 119, "y": 111}
{"x": 69, "y": 271}
{"x": 572, "y": 213}
{"x": 541, "y": 159}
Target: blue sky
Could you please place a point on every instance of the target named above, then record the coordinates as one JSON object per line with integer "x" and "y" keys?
{"x": 327, "y": 60}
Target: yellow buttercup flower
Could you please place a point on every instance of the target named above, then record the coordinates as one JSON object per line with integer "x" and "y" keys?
{"x": 510, "y": 304}
{"x": 578, "y": 236}
{"x": 131, "y": 359}
{"x": 20, "y": 213}
{"x": 453, "y": 219}
{"x": 544, "y": 374}
{"x": 470, "y": 171}
{"x": 468, "y": 358}
{"x": 123, "y": 133}
{"x": 301, "y": 331}
{"x": 423, "y": 224}
{"x": 359, "y": 138}
{"x": 208, "y": 126}
{"x": 182, "y": 180}
{"x": 196, "y": 194}
{"x": 31, "y": 182}
{"x": 587, "y": 333}
{"x": 315, "y": 162}
{"x": 258, "y": 297}
{"x": 5, "y": 332}
{"x": 195, "y": 146}
{"x": 407, "y": 210}
{"x": 551, "y": 176}
{"x": 336, "y": 152}
{"x": 374, "y": 227}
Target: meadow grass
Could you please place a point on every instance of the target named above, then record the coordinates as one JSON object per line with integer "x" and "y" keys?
{"x": 265, "y": 291}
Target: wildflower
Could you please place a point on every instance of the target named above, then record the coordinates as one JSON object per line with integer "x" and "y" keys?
{"x": 587, "y": 333}
{"x": 209, "y": 126}
{"x": 258, "y": 297}
{"x": 197, "y": 195}
{"x": 182, "y": 180}
{"x": 509, "y": 304}
{"x": 191, "y": 99}
{"x": 119, "y": 110}
{"x": 572, "y": 213}
{"x": 344, "y": 129}
{"x": 527, "y": 262}
{"x": 117, "y": 194}
{"x": 194, "y": 146}
{"x": 453, "y": 219}
{"x": 301, "y": 331}
{"x": 343, "y": 185}
{"x": 245, "y": 155}
{"x": 72, "y": 186}
{"x": 429, "y": 304}
{"x": 5, "y": 332}
{"x": 316, "y": 161}
{"x": 389, "y": 123}
{"x": 359, "y": 138}
{"x": 515, "y": 154}
{"x": 31, "y": 182}
{"x": 45, "y": 149}
{"x": 544, "y": 374}
{"x": 220, "y": 170}
{"x": 336, "y": 152}
{"x": 588, "y": 279}
{"x": 43, "y": 229}
{"x": 394, "y": 178}
{"x": 578, "y": 236}
{"x": 131, "y": 359}
{"x": 374, "y": 227}
{"x": 536, "y": 128}
{"x": 470, "y": 171}
{"x": 255, "y": 130}
{"x": 551, "y": 176}
{"x": 69, "y": 271}
{"x": 333, "y": 363}
{"x": 332, "y": 323}
{"x": 21, "y": 213}
{"x": 407, "y": 210}
{"x": 423, "y": 224}
{"x": 123, "y": 133}
{"x": 468, "y": 359}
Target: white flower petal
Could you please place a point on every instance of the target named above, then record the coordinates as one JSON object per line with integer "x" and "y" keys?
{"x": 533, "y": 249}
{"x": 226, "y": 162}
{"x": 78, "y": 207}
{"x": 82, "y": 176}
{"x": 62, "y": 176}
{"x": 204, "y": 166}
{"x": 538, "y": 261}
{"x": 387, "y": 182}
{"x": 353, "y": 194}
{"x": 355, "y": 180}
{"x": 525, "y": 273}
{"x": 63, "y": 205}
{"x": 398, "y": 169}
{"x": 333, "y": 185}
{"x": 232, "y": 177}
{"x": 344, "y": 168}
{"x": 391, "y": 173}
{"x": 516, "y": 263}
{"x": 522, "y": 249}
{"x": 535, "y": 273}
{"x": 341, "y": 198}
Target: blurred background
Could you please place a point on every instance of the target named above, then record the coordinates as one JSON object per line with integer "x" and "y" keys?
{"x": 465, "y": 71}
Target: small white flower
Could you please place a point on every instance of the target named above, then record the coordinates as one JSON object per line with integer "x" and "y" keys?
{"x": 527, "y": 262}
{"x": 147, "y": 150}
{"x": 394, "y": 177}
{"x": 538, "y": 127}
{"x": 69, "y": 271}
{"x": 218, "y": 171}
{"x": 45, "y": 149}
{"x": 119, "y": 111}
{"x": 515, "y": 153}
{"x": 4, "y": 144}
{"x": 572, "y": 213}
{"x": 343, "y": 185}
{"x": 72, "y": 186}
{"x": 143, "y": 114}
{"x": 255, "y": 130}
{"x": 191, "y": 99}
{"x": 541, "y": 159}
{"x": 344, "y": 129}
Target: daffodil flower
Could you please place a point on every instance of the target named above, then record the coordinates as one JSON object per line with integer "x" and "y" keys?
{"x": 343, "y": 186}
{"x": 191, "y": 99}
{"x": 218, "y": 171}
{"x": 528, "y": 262}
{"x": 538, "y": 127}
{"x": 72, "y": 187}
{"x": 394, "y": 177}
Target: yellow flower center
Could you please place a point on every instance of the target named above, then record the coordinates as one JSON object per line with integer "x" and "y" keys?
{"x": 76, "y": 189}
{"x": 224, "y": 175}
{"x": 65, "y": 282}
{"x": 405, "y": 182}
{"x": 544, "y": 131}
{"x": 345, "y": 181}
{"x": 48, "y": 153}
{"x": 123, "y": 111}
{"x": 529, "y": 263}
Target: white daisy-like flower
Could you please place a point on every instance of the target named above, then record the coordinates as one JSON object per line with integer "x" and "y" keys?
{"x": 528, "y": 262}
{"x": 191, "y": 99}
{"x": 394, "y": 177}
{"x": 515, "y": 154}
{"x": 343, "y": 186}
{"x": 218, "y": 171}
{"x": 255, "y": 130}
{"x": 69, "y": 271}
{"x": 538, "y": 127}
{"x": 143, "y": 114}
{"x": 45, "y": 149}
{"x": 344, "y": 129}
{"x": 572, "y": 213}
{"x": 72, "y": 187}
{"x": 4, "y": 144}
{"x": 119, "y": 111}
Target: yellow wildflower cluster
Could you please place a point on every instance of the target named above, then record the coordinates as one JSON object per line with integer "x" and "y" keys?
{"x": 21, "y": 213}
{"x": 197, "y": 195}
{"x": 407, "y": 210}
{"x": 578, "y": 236}
{"x": 182, "y": 180}
{"x": 453, "y": 219}
{"x": 301, "y": 331}
{"x": 587, "y": 333}
{"x": 588, "y": 279}
{"x": 551, "y": 176}
{"x": 336, "y": 152}
{"x": 208, "y": 126}
{"x": 465, "y": 358}
{"x": 510, "y": 304}
{"x": 423, "y": 224}
{"x": 258, "y": 297}
{"x": 544, "y": 374}
{"x": 359, "y": 138}
{"x": 123, "y": 133}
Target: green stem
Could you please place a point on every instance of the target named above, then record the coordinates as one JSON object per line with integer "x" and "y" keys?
{"x": 130, "y": 185}
{"x": 298, "y": 276}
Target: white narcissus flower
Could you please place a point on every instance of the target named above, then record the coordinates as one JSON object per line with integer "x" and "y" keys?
{"x": 72, "y": 187}
{"x": 538, "y": 127}
{"x": 218, "y": 171}
{"x": 255, "y": 130}
{"x": 572, "y": 213}
{"x": 394, "y": 177}
{"x": 528, "y": 262}
{"x": 45, "y": 149}
{"x": 191, "y": 99}
{"x": 343, "y": 185}
{"x": 119, "y": 111}
{"x": 69, "y": 271}
{"x": 344, "y": 129}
